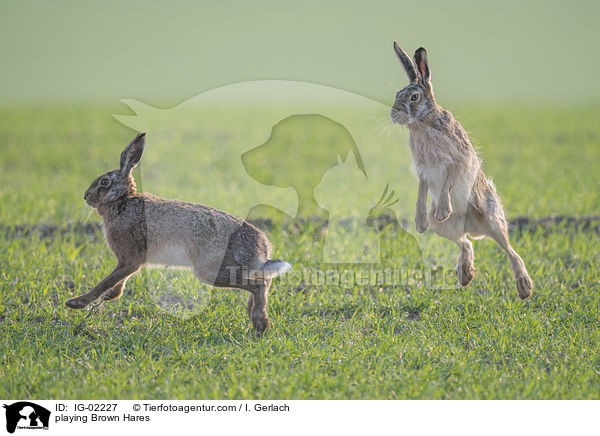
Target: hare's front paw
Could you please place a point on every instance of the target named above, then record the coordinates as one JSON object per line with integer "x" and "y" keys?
{"x": 76, "y": 303}
{"x": 421, "y": 221}
{"x": 113, "y": 293}
{"x": 443, "y": 210}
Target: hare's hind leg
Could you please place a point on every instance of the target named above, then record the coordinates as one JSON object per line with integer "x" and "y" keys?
{"x": 454, "y": 230}
{"x": 230, "y": 277}
{"x": 257, "y": 305}
{"x": 250, "y": 305}
{"x": 465, "y": 268}
{"x": 494, "y": 226}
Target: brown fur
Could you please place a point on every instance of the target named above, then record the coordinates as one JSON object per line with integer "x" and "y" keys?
{"x": 464, "y": 203}
{"x": 222, "y": 250}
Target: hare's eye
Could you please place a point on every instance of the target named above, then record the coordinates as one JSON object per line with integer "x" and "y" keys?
{"x": 105, "y": 182}
{"x": 414, "y": 97}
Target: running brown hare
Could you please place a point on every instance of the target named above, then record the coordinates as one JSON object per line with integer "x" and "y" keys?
{"x": 222, "y": 250}
{"x": 463, "y": 202}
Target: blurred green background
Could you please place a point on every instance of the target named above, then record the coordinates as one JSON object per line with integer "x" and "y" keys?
{"x": 166, "y": 52}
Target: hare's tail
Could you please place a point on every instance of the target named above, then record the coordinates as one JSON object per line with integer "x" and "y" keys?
{"x": 273, "y": 268}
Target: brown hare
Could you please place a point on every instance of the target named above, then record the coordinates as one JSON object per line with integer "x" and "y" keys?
{"x": 463, "y": 202}
{"x": 140, "y": 228}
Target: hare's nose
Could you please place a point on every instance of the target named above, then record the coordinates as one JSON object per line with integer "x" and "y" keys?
{"x": 85, "y": 196}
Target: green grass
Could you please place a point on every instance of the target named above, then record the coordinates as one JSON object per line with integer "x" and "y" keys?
{"x": 172, "y": 337}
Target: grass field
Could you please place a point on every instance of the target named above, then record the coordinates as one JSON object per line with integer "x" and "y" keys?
{"x": 326, "y": 341}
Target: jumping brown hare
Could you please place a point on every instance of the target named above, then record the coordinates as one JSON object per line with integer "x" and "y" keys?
{"x": 463, "y": 202}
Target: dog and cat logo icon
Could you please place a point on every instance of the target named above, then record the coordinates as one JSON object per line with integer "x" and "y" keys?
{"x": 26, "y": 415}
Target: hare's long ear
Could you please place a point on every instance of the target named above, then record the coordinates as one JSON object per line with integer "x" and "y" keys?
{"x": 422, "y": 64}
{"x": 409, "y": 68}
{"x": 132, "y": 153}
